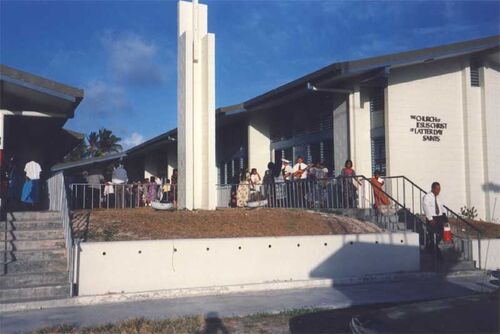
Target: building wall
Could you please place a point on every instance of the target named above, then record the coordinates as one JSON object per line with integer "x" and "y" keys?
{"x": 360, "y": 145}
{"x": 135, "y": 266}
{"x": 473, "y": 148}
{"x": 435, "y": 90}
{"x": 259, "y": 141}
{"x": 490, "y": 253}
{"x": 340, "y": 135}
{"x": 491, "y": 136}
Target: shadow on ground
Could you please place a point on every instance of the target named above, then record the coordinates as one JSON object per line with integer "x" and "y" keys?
{"x": 470, "y": 314}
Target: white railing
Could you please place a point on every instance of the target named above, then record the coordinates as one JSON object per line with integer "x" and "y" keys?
{"x": 58, "y": 201}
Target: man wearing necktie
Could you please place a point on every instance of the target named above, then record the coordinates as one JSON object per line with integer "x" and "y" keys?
{"x": 435, "y": 217}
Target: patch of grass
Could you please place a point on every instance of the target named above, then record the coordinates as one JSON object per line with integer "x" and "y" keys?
{"x": 110, "y": 232}
{"x": 255, "y": 323}
{"x": 139, "y": 326}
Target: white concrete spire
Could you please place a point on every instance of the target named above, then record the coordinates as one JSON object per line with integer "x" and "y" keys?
{"x": 196, "y": 108}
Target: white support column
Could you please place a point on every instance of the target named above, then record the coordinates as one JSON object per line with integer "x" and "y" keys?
{"x": 259, "y": 143}
{"x": 360, "y": 134}
{"x": 340, "y": 135}
{"x": 196, "y": 108}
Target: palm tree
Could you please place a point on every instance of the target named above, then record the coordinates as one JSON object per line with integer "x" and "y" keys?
{"x": 93, "y": 145}
{"x": 96, "y": 144}
{"x": 108, "y": 142}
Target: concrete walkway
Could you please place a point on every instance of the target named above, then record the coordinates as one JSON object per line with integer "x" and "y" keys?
{"x": 245, "y": 304}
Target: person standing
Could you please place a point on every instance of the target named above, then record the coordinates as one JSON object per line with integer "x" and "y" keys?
{"x": 152, "y": 190}
{"x": 173, "y": 191}
{"x": 14, "y": 183}
{"x": 300, "y": 169}
{"x": 435, "y": 217}
{"x": 94, "y": 181}
{"x": 286, "y": 170}
{"x": 243, "y": 191}
{"x": 119, "y": 179}
{"x": 349, "y": 185}
{"x": 31, "y": 189}
{"x": 381, "y": 200}
{"x": 268, "y": 183}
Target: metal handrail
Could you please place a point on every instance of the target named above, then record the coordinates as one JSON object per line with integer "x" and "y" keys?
{"x": 447, "y": 208}
{"x": 395, "y": 201}
{"x": 449, "y": 211}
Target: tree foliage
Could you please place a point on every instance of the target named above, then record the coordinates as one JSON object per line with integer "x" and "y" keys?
{"x": 96, "y": 144}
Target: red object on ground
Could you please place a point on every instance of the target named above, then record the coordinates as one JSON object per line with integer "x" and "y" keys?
{"x": 447, "y": 236}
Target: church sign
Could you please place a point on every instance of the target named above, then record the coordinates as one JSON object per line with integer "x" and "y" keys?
{"x": 429, "y": 128}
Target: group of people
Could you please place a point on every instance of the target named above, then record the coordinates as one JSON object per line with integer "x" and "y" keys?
{"x": 119, "y": 193}
{"x": 300, "y": 185}
{"x": 21, "y": 187}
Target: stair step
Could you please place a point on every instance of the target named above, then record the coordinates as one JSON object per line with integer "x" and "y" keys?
{"x": 34, "y": 293}
{"x": 21, "y": 225}
{"x": 33, "y": 235}
{"x": 18, "y": 245}
{"x": 35, "y": 255}
{"x": 10, "y": 281}
{"x": 34, "y": 215}
{"x": 18, "y": 267}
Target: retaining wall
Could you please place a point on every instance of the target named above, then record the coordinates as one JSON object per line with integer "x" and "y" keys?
{"x": 490, "y": 253}
{"x": 138, "y": 266}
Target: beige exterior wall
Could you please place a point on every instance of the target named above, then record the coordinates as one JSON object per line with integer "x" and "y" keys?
{"x": 491, "y": 135}
{"x": 469, "y": 144}
{"x": 433, "y": 89}
{"x": 359, "y": 122}
{"x": 136, "y": 266}
{"x": 259, "y": 153}
{"x": 196, "y": 108}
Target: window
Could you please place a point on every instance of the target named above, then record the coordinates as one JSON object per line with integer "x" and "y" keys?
{"x": 474, "y": 74}
{"x": 378, "y": 155}
{"x": 377, "y": 101}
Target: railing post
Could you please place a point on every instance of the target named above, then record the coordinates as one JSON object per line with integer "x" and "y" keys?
{"x": 479, "y": 249}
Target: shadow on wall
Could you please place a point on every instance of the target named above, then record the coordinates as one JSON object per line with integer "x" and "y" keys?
{"x": 491, "y": 187}
{"x": 359, "y": 258}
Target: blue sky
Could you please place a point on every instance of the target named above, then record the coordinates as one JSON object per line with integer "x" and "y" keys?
{"x": 123, "y": 53}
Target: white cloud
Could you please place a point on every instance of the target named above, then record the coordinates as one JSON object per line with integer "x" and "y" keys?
{"x": 134, "y": 60}
{"x": 133, "y": 140}
{"x": 105, "y": 98}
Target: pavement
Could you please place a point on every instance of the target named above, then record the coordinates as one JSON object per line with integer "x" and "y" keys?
{"x": 335, "y": 297}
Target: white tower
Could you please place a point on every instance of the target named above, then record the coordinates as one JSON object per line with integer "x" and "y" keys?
{"x": 195, "y": 108}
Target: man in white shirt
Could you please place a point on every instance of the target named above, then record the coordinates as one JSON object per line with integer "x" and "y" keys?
{"x": 32, "y": 170}
{"x": 435, "y": 216}
{"x": 119, "y": 179}
{"x": 286, "y": 169}
{"x": 300, "y": 169}
{"x": 31, "y": 189}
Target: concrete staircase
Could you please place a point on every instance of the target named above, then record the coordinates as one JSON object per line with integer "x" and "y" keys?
{"x": 33, "y": 255}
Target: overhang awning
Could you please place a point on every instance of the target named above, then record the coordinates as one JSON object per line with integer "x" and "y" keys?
{"x": 88, "y": 162}
{"x": 22, "y": 91}
{"x": 363, "y": 68}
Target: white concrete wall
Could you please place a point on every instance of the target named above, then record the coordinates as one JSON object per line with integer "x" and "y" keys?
{"x": 473, "y": 146}
{"x": 135, "y": 266}
{"x": 359, "y": 122}
{"x": 490, "y": 253}
{"x": 491, "y": 137}
{"x": 259, "y": 142}
{"x": 433, "y": 89}
{"x": 340, "y": 136}
{"x": 151, "y": 166}
{"x": 196, "y": 108}
{"x": 465, "y": 160}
